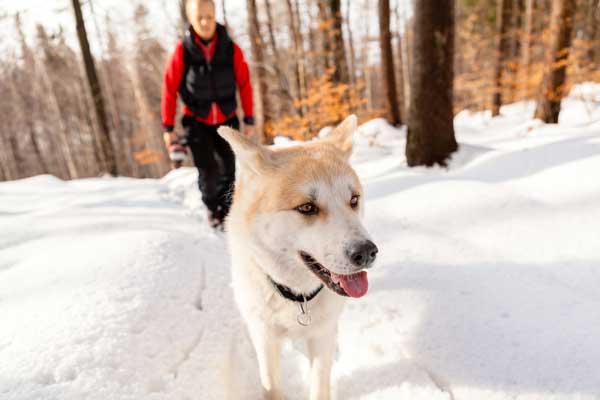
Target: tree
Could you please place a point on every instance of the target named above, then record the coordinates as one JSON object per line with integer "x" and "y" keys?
{"x": 401, "y": 68}
{"x": 430, "y": 136}
{"x": 299, "y": 55}
{"x": 224, "y": 9}
{"x": 285, "y": 98}
{"x": 324, "y": 28}
{"x": 553, "y": 86}
{"x": 387, "y": 64}
{"x": 54, "y": 64}
{"x": 256, "y": 43}
{"x": 593, "y": 20}
{"x": 94, "y": 84}
{"x": 503, "y": 18}
{"x": 24, "y": 95}
{"x": 529, "y": 5}
{"x": 339, "y": 49}
{"x": 330, "y": 15}
{"x": 182, "y": 21}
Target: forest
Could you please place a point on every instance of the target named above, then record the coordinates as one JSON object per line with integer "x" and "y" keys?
{"x": 91, "y": 106}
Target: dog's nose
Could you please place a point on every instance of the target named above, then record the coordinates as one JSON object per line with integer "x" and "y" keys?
{"x": 362, "y": 254}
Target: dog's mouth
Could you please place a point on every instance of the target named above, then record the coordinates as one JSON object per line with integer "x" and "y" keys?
{"x": 353, "y": 285}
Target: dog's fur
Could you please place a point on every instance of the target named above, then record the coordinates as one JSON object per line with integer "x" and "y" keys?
{"x": 267, "y": 233}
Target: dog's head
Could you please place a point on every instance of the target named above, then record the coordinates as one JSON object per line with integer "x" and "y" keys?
{"x": 300, "y": 210}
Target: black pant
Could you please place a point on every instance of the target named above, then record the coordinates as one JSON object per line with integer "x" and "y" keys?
{"x": 215, "y": 162}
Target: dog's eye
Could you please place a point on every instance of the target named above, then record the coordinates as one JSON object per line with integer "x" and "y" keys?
{"x": 307, "y": 209}
{"x": 354, "y": 201}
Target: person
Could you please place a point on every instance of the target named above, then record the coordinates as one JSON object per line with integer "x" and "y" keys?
{"x": 204, "y": 71}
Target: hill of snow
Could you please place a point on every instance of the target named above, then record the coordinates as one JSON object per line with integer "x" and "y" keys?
{"x": 486, "y": 286}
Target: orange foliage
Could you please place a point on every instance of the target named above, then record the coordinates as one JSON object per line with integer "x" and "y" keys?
{"x": 326, "y": 103}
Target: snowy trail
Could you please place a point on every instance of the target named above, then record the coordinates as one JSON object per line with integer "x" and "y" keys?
{"x": 486, "y": 286}
{"x": 112, "y": 278}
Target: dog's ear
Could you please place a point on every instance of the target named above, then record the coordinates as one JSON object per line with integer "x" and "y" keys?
{"x": 342, "y": 135}
{"x": 254, "y": 156}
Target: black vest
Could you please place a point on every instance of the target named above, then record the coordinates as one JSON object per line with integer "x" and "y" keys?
{"x": 204, "y": 83}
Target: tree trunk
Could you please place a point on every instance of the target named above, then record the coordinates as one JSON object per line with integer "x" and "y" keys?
{"x": 503, "y": 17}
{"x": 21, "y": 111}
{"x": 3, "y": 174}
{"x": 364, "y": 60}
{"x": 271, "y": 32}
{"x": 283, "y": 84}
{"x": 27, "y": 87}
{"x": 122, "y": 158}
{"x": 400, "y": 68}
{"x": 430, "y": 137}
{"x": 515, "y": 47}
{"x": 352, "y": 64}
{"x": 387, "y": 64}
{"x": 341, "y": 74}
{"x": 261, "y": 107}
{"x": 182, "y": 22}
{"x": 92, "y": 76}
{"x": 553, "y": 86}
{"x": 324, "y": 27}
{"x": 65, "y": 146}
{"x": 592, "y": 30}
{"x": 224, "y": 13}
{"x": 526, "y": 67}
{"x": 298, "y": 55}
{"x": 404, "y": 61}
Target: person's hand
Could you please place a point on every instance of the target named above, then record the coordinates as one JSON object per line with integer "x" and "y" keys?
{"x": 169, "y": 137}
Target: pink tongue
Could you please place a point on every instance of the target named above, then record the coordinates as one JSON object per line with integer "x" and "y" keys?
{"x": 355, "y": 285}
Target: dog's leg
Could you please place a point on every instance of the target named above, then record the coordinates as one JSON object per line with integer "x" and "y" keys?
{"x": 321, "y": 350}
{"x": 268, "y": 351}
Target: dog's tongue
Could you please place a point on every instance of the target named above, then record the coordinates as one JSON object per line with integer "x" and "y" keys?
{"x": 355, "y": 285}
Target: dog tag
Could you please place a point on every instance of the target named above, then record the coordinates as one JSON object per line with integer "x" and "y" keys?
{"x": 303, "y": 319}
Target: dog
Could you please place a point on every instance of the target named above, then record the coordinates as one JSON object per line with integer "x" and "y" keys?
{"x": 298, "y": 248}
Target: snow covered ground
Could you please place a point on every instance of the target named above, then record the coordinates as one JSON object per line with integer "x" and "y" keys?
{"x": 487, "y": 286}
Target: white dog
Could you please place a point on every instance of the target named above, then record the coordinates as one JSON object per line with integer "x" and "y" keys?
{"x": 298, "y": 248}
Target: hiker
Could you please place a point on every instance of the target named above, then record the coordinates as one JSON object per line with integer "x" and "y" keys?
{"x": 204, "y": 71}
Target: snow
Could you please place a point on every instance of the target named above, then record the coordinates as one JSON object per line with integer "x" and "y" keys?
{"x": 486, "y": 286}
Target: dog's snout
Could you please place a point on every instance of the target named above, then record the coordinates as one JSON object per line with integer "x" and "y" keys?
{"x": 362, "y": 254}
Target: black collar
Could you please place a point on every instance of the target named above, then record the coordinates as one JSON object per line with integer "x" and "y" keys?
{"x": 289, "y": 294}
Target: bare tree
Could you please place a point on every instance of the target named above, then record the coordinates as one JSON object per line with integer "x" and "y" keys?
{"x": 182, "y": 21}
{"x": 94, "y": 84}
{"x": 526, "y": 61}
{"x": 352, "y": 64}
{"x": 430, "y": 137}
{"x": 387, "y": 64}
{"x": 341, "y": 73}
{"x": 24, "y": 95}
{"x": 261, "y": 106}
{"x": 224, "y": 9}
{"x": 48, "y": 86}
{"x": 404, "y": 69}
{"x": 593, "y": 20}
{"x": 503, "y": 18}
{"x": 299, "y": 56}
{"x": 553, "y": 86}
{"x": 324, "y": 27}
{"x": 285, "y": 97}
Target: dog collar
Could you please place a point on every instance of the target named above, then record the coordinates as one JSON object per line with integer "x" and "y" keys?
{"x": 289, "y": 294}
{"x": 303, "y": 318}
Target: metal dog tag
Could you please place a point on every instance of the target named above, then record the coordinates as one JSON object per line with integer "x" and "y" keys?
{"x": 304, "y": 318}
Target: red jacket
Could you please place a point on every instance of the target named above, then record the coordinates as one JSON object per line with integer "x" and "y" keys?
{"x": 174, "y": 73}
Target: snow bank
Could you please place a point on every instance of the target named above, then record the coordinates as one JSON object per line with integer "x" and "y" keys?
{"x": 486, "y": 286}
